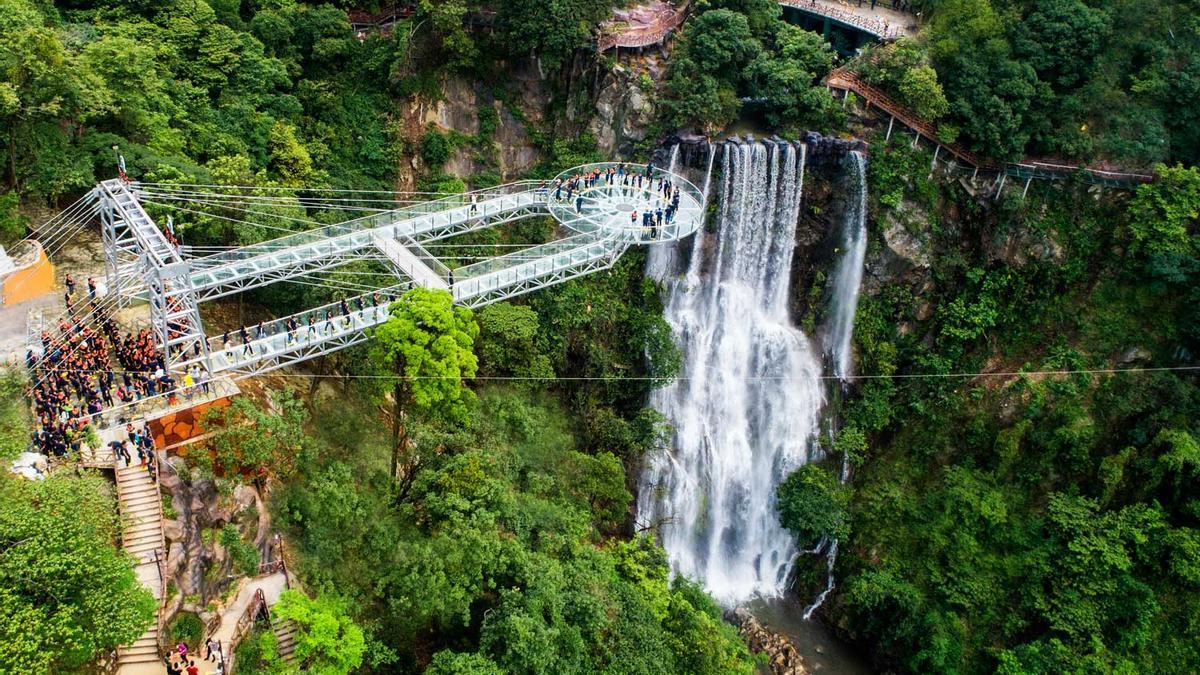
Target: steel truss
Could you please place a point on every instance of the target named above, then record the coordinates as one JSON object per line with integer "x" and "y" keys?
{"x": 141, "y": 262}
{"x": 309, "y": 252}
{"x": 128, "y": 230}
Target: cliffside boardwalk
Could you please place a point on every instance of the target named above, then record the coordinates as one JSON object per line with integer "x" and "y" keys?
{"x": 846, "y": 81}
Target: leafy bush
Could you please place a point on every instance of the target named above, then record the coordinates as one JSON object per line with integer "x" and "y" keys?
{"x": 187, "y": 628}
{"x": 243, "y": 554}
{"x": 812, "y": 505}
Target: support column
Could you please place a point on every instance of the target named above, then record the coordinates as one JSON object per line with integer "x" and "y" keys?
{"x": 1026, "y": 190}
{"x": 1003, "y": 177}
{"x": 935, "y": 156}
{"x": 916, "y": 139}
{"x": 891, "y": 123}
{"x": 108, "y": 232}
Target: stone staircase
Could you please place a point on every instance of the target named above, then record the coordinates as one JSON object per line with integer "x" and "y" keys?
{"x": 140, "y": 504}
{"x": 285, "y": 638}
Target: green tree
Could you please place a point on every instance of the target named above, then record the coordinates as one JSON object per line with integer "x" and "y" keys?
{"x": 447, "y": 21}
{"x": 46, "y": 94}
{"x": 920, "y": 90}
{"x": 762, "y": 16}
{"x": 552, "y": 29}
{"x": 1163, "y": 216}
{"x": 1061, "y": 39}
{"x": 66, "y": 593}
{"x": 813, "y": 504}
{"x": 784, "y": 79}
{"x": 250, "y": 440}
{"x": 508, "y": 343}
{"x": 12, "y": 223}
{"x": 289, "y": 158}
{"x": 453, "y": 663}
{"x": 426, "y": 347}
{"x": 328, "y": 642}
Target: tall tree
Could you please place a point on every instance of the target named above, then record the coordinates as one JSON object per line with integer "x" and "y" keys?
{"x": 328, "y": 641}
{"x": 426, "y": 348}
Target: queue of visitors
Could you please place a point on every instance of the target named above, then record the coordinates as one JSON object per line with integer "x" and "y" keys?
{"x": 75, "y": 381}
{"x": 663, "y": 194}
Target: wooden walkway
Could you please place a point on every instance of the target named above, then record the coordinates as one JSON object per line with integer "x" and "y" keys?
{"x": 617, "y": 35}
{"x": 1027, "y": 170}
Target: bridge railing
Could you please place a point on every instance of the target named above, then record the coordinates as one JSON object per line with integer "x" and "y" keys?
{"x": 558, "y": 259}
{"x": 367, "y": 222}
{"x": 604, "y": 194}
{"x": 874, "y": 25}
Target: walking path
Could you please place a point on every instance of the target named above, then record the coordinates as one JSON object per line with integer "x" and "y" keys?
{"x": 883, "y": 22}
{"x": 1027, "y": 170}
{"x": 641, "y": 26}
{"x": 140, "y": 504}
{"x": 234, "y": 620}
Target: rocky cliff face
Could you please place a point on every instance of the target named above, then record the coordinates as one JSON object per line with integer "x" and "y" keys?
{"x": 511, "y": 150}
{"x": 197, "y": 565}
{"x": 626, "y": 105}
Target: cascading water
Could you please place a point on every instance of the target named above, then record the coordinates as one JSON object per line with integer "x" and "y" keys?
{"x": 746, "y": 404}
{"x": 847, "y": 279}
{"x": 847, "y": 275}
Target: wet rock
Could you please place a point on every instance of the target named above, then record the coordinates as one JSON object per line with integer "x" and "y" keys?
{"x": 905, "y": 246}
{"x": 783, "y": 658}
{"x": 175, "y": 559}
{"x": 1136, "y": 355}
{"x": 624, "y": 108}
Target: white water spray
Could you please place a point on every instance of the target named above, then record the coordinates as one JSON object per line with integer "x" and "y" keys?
{"x": 746, "y": 405}
{"x": 847, "y": 281}
{"x": 847, "y": 275}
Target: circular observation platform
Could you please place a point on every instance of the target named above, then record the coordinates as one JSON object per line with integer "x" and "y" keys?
{"x": 607, "y": 199}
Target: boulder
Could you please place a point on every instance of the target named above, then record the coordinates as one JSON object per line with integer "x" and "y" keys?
{"x": 782, "y": 656}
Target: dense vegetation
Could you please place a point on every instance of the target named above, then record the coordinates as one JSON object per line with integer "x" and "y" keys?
{"x": 1014, "y": 523}
{"x": 736, "y": 49}
{"x": 67, "y": 595}
{"x": 1029, "y": 523}
{"x": 1082, "y": 79}
{"x": 490, "y": 550}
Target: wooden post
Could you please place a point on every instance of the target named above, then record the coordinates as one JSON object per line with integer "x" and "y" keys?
{"x": 890, "y": 125}
{"x": 1026, "y": 190}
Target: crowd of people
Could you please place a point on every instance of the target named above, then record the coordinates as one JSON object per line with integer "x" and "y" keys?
{"x": 75, "y": 382}
{"x": 310, "y": 324}
{"x": 663, "y": 195}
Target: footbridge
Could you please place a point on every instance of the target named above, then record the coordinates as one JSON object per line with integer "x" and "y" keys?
{"x": 600, "y": 211}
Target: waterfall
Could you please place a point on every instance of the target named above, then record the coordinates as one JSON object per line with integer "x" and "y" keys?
{"x": 746, "y": 404}
{"x": 847, "y": 280}
{"x": 847, "y": 275}
{"x": 661, "y": 262}
{"x": 830, "y": 559}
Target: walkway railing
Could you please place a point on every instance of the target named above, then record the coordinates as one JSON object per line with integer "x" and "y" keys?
{"x": 645, "y": 35}
{"x": 846, "y": 80}
{"x": 880, "y": 28}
